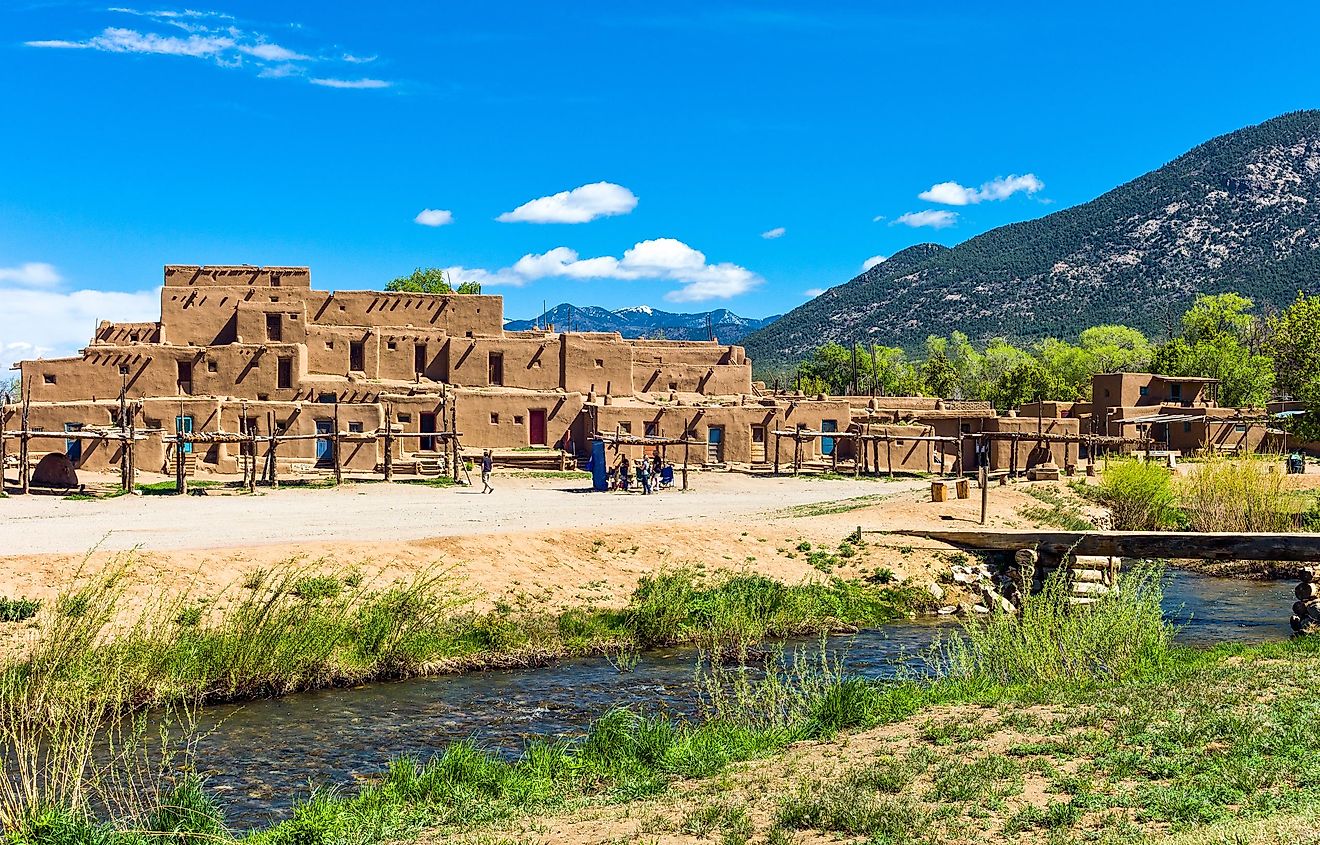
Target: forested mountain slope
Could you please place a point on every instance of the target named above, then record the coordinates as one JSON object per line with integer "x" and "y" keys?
{"x": 1238, "y": 213}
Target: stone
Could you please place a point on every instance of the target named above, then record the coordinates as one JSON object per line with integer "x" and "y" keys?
{"x": 980, "y": 608}
{"x": 55, "y": 471}
{"x": 947, "y": 610}
{"x": 935, "y": 590}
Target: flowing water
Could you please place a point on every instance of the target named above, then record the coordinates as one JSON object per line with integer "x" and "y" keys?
{"x": 264, "y": 756}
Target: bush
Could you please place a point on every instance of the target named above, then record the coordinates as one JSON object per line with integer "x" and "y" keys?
{"x": 1140, "y": 496}
{"x": 18, "y": 610}
{"x": 1239, "y": 495}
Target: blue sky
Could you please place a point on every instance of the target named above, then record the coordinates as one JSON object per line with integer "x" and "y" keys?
{"x": 731, "y": 155}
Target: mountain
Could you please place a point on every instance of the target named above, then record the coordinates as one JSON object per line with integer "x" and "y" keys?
{"x": 1238, "y": 213}
{"x": 645, "y": 321}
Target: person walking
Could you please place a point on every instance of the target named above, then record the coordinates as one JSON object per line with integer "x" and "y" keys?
{"x": 487, "y": 464}
{"x": 644, "y": 476}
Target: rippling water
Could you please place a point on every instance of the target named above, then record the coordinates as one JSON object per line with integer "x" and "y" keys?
{"x": 264, "y": 756}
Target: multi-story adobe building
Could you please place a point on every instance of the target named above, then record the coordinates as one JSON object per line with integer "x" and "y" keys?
{"x": 244, "y": 348}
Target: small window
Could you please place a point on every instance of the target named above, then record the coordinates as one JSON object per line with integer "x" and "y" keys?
{"x": 625, "y": 427}
{"x": 329, "y": 344}
{"x": 123, "y": 369}
{"x": 274, "y": 299}
{"x": 494, "y": 418}
{"x": 1240, "y": 428}
{"x": 405, "y": 418}
{"x": 326, "y": 398}
{"x": 262, "y": 397}
{"x": 1187, "y": 427}
{"x": 1175, "y": 392}
{"x": 355, "y": 426}
{"x": 652, "y": 429}
{"x": 391, "y": 346}
{"x": 517, "y": 419}
{"x": 673, "y": 385}
{"x": 966, "y": 428}
{"x": 274, "y": 281}
{"x": 1145, "y": 391}
{"x": 211, "y": 366}
{"x": 48, "y": 378}
{"x": 600, "y": 363}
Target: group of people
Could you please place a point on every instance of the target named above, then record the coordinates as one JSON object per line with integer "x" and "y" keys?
{"x": 651, "y": 474}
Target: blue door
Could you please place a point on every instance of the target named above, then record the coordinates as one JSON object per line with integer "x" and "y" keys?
{"x": 73, "y": 447}
{"x": 827, "y": 443}
{"x": 184, "y": 424}
{"x": 715, "y": 445}
{"x": 325, "y": 449}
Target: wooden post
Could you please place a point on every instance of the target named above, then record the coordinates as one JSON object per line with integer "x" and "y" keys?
{"x": 834, "y": 457}
{"x": 273, "y": 453}
{"x": 252, "y": 450}
{"x": 1013, "y": 459}
{"x": 4, "y": 416}
{"x": 876, "y": 462}
{"x": 777, "y": 439}
{"x": 123, "y": 431}
{"x": 889, "y": 454}
{"x": 983, "y": 478}
{"x": 858, "y": 445}
{"x": 389, "y": 442}
{"x": 180, "y": 471}
{"x": 797, "y": 451}
{"x": 339, "y": 469}
{"x": 24, "y": 438}
{"x": 687, "y": 430}
{"x": 453, "y": 433}
{"x": 132, "y": 446}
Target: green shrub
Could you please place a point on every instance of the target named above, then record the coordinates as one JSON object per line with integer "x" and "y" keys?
{"x": 1140, "y": 496}
{"x": 1239, "y": 495}
{"x": 317, "y": 587}
{"x": 18, "y": 610}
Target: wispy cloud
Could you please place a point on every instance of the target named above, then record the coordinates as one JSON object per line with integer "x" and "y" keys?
{"x": 812, "y": 293}
{"x": 872, "y": 261}
{"x": 776, "y": 232}
{"x": 580, "y": 205}
{"x": 937, "y": 219}
{"x": 219, "y": 38}
{"x": 35, "y": 274}
{"x": 326, "y": 82}
{"x": 661, "y": 258}
{"x": 1001, "y": 188}
{"x": 434, "y": 217}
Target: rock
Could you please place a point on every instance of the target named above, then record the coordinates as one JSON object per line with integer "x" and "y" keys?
{"x": 947, "y": 610}
{"x": 935, "y": 590}
{"x": 961, "y": 578}
{"x": 980, "y": 608}
{"x": 1007, "y": 606}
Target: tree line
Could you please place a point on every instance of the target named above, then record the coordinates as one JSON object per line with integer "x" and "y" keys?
{"x": 1255, "y": 358}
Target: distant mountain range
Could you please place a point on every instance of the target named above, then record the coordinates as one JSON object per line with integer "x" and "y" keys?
{"x": 1238, "y": 213}
{"x": 644, "y": 321}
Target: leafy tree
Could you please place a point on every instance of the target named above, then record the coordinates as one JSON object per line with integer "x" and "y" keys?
{"x": 1116, "y": 349}
{"x": 430, "y": 280}
{"x": 1220, "y": 340}
{"x": 940, "y": 376}
{"x": 1295, "y": 342}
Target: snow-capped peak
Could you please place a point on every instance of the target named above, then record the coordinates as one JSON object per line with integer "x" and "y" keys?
{"x": 635, "y": 309}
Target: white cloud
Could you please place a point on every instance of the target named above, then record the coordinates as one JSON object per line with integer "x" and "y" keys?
{"x": 48, "y": 321}
{"x": 951, "y": 193}
{"x": 813, "y": 292}
{"x": 350, "y": 83}
{"x": 934, "y": 219}
{"x": 660, "y": 258}
{"x": 273, "y": 52}
{"x": 872, "y": 261}
{"x": 580, "y": 205}
{"x": 434, "y": 217}
{"x": 215, "y": 37}
{"x": 776, "y": 232}
{"x": 32, "y": 274}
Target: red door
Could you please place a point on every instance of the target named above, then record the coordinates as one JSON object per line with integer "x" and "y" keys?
{"x": 536, "y": 427}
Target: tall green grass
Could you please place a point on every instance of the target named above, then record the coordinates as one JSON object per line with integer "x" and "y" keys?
{"x": 1140, "y": 496}
{"x": 1239, "y": 495}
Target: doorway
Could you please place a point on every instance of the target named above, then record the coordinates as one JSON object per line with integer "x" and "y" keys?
{"x": 496, "y": 366}
{"x": 73, "y": 446}
{"x": 758, "y": 444}
{"x": 185, "y": 425}
{"x": 356, "y": 357}
{"x": 325, "y": 447}
{"x": 427, "y": 423}
{"x": 827, "y": 443}
{"x": 715, "y": 444}
{"x": 536, "y": 426}
{"x": 419, "y": 359}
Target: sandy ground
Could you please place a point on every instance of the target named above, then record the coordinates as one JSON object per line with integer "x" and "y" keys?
{"x": 537, "y": 537}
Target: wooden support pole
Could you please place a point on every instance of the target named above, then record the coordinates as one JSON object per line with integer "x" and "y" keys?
{"x": 452, "y": 407}
{"x": 24, "y": 458}
{"x": 777, "y": 440}
{"x": 687, "y": 431}
{"x": 1013, "y": 460}
{"x": 984, "y": 479}
{"x": 123, "y": 429}
{"x": 274, "y": 451}
{"x": 334, "y": 444}
{"x": 875, "y": 445}
{"x": 889, "y": 454}
{"x": 389, "y": 442}
{"x": 252, "y": 450}
{"x": 180, "y": 471}
{"x": 797, "y": 454}
{"x": 4, "y": 416}
{"x": 132, "y": 445}
{"x": 834, "y": 457}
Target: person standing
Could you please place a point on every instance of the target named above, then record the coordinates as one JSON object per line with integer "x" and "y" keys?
{"x": 487, "y": 464}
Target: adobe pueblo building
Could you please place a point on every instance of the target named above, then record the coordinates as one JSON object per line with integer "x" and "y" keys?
{"x": 242, "y": 350}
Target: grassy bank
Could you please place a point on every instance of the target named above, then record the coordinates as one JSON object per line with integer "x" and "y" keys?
{"x": 1076, "y": 726}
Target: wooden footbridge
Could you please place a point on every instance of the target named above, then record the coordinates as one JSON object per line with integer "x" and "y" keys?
{"x": 1174, "y": 545}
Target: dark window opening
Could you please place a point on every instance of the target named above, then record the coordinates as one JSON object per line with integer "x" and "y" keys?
{"x": 48, "y": 378}
{"x": 274, "y": 327}
{"x": 517, "y": 419}
{"x": 391, "y": 345}
{"x": 327, "y": 398}
{"x": 185, "y": 376}
{"x": 1145, "y": 391}
{"x": 284, "y": 373}
{"x": 496, "y": 365}
{"x": 652, "y": 429}
{"x": 1175, "y": 392}
{"x": 123, "y": 369}
{"x": 356, "y": 357}
{"x": 355, "y": 427}
{"x": 212, "y": 366}
{"x": 625, "y": 427}
{"x": 419, "y": 358}
{"x": 405, "y": 418}
{"x": 494, "y": 418}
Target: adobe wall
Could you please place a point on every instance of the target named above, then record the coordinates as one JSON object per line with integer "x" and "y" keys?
{"x": 455, "y": 314}
{"x": 529, "y": 363}
{"x": 123, "y": 333}
{"x": 502, "y": 419}
{"x": 236, "y": 275}
{"x": 1030, "y": 452}
{"x": 597, "y": 361}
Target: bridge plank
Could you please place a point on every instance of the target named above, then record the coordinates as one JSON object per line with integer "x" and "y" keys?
{"x": 1137, "y": 544}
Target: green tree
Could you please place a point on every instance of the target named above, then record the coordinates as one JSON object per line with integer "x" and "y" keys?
{"x": 1220, "y": 340}
{"x": 1116, "y": 349}
{"x": 422, "y": 280}
{"x": 940, "y": 377}
{"x": 1295, "y": 343}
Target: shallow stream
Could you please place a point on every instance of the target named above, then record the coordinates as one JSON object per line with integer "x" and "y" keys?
{"x": 264, "y": 756}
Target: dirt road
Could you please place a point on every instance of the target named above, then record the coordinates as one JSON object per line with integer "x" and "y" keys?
{"x": 379, "y": 512}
